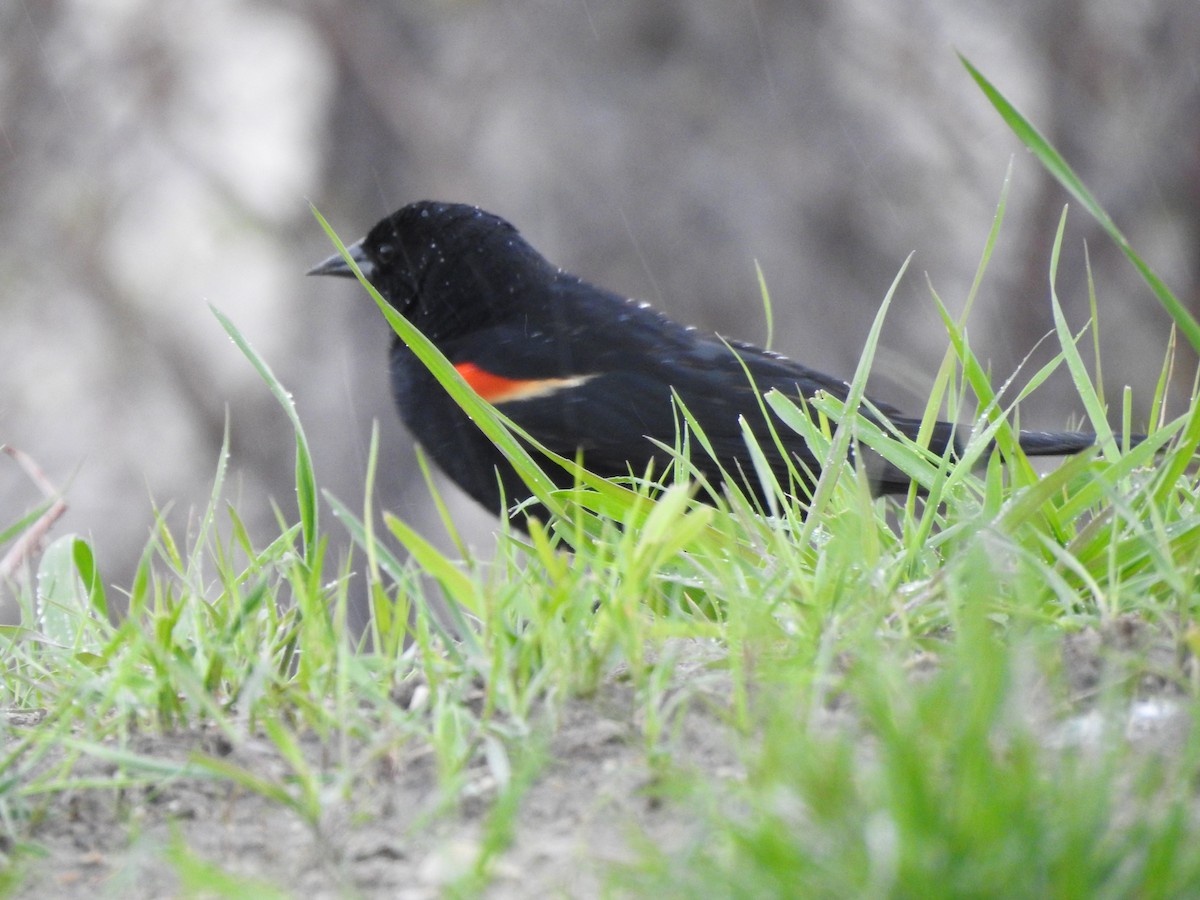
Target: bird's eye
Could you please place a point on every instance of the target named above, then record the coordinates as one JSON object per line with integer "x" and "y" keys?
{"x": 385, "y": 252}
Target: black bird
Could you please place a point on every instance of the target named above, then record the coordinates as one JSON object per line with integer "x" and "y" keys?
{"x": 582, "y": 369}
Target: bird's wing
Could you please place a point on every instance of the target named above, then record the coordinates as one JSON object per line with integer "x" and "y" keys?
{"x": 576, "y": 387}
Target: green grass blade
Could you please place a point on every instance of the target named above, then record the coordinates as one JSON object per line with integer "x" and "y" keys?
{"x": 460, "y": 587}
{"x": 1075, "y": 365}
{"x": 1054, "y": 163}
{"x": 306, "y": 482}
{"x": 841, "y": 439}
{"x": 394, "y": 568}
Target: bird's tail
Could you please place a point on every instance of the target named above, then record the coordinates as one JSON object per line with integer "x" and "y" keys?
{"x": 1055, "y": 443}
{"x": 948, "y": 436}
{"x": 1034, "y": 443}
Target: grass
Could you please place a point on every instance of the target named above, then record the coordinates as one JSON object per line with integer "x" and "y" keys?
{"x": 892, "y": 681}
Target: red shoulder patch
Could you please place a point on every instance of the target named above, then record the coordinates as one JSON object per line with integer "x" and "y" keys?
{"x": 497, "y": 389}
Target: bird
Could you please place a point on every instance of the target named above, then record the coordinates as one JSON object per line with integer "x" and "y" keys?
{"x": 589, "y": 373}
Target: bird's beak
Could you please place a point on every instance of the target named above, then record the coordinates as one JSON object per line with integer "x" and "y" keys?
{"x": 335, "y": 265}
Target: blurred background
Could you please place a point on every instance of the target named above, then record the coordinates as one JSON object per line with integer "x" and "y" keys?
{"x": 158, "y": 156}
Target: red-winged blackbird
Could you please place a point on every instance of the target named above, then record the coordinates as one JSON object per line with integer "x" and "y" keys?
{"x": 579, "y": 368}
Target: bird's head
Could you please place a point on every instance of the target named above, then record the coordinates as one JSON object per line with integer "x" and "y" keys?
{"x": 444, "y": 266}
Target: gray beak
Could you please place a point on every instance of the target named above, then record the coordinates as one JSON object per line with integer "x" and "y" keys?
{"x": 335, "y": 265}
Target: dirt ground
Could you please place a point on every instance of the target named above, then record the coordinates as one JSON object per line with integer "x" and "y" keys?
{"x": 389, "y": 839}
{"x": 583, "y": 811}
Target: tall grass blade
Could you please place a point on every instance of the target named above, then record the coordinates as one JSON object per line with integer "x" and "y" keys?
{"x": 1054, "y": 163}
